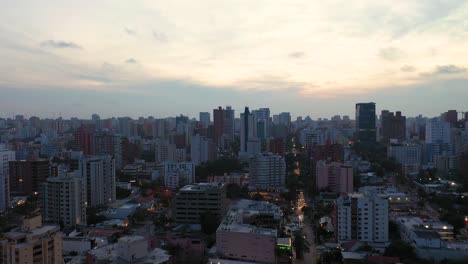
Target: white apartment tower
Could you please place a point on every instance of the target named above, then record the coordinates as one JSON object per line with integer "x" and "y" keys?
{"x": 363, "y": 218}
{"x": 5, "y": 157}
{"x": 437, "y": 131}
{"x": 267, "y": 172}
{"x": 98, "y": 175}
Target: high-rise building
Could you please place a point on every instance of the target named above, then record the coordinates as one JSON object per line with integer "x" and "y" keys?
{"x": 284, "y": 118}
{"x": 63, "y": 200}
{"x": 451, "y": 117}
{"x": 362, "y": 218}
{"x": 437, "y": 132}
{"x": 108, "y": 143}
{"x": 33, "y": 243}
{"x": 202, "y": 149}
{"x": 408, "y": 155}
{"x": 262, "y": 120}
{"x": 218, "y": 124}
{"x": 5, "y": 157}
{"x": 27, "y": 176}
{"x": 176, "y": 174}
{"x": 335, "y": 176}
{"x": 84, "y": 139}
{"x": 248, "y": 134}
{"x": 277, "y": 146}
{"x": 205, "y": 119}
{"x": 365, "y": 122}
{"x": 164, "y": 151}
{"x": 228, "y": 125}
{"x": 267, "y": 172}
{"x": 393, "y": 126}
{"x": 98, "y": 175}
{"x": 195, "y": 200}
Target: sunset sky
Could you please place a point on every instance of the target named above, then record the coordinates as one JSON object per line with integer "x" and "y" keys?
{"x": 163, "y": 58}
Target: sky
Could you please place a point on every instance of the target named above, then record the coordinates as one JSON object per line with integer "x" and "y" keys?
{"x": 164, "y": 58}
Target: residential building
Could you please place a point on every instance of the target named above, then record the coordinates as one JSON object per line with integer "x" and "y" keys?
{"x": 362, "y": 217}
{"x": 98, "y": 175}
{"x": 267, "y": 172}
{"x": 437, "y": 132}
{"x": 27, "y": 176}
{"x": 164, "y": 151}
{"x": 5, "y": 157}
{"x": 249, "y": 232}
{"x": 33, "y": 243}
{"x": 205, "y": 119}
{"x": 334, "y": 176}
{"x": 203, "y": 149}
{"x": 408, "y": 155}
{"x": 393, "y": 126}
{"x": 176, "y": 174}
{"x": 365, "y": 122}
{"x": 63, "y": 200}
{"x": 195, "y": 200}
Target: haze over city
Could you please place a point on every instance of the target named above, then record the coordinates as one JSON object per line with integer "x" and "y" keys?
{"x": 163, "y": 58}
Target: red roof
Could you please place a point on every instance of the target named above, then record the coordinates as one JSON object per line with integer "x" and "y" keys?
{"x": 383, "y": 260}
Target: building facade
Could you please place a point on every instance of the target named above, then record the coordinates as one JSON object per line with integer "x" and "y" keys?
{"x": 267, "y": 172}
{"x": 5, "y": 157}
{"x": 27, "y": 176}
{"x": 64, "y": 201}
{"x": 193, "y": 201}
{"x": 365, "y": 122}
{"x": 393, "y": 126}
{"x": 33, "y": 243}
{"x": 362, "y": 218}
{"x": 334, "y": 176}
{"x": 98, "y": 175}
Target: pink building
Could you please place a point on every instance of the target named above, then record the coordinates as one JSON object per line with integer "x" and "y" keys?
{"x": 334, "y": 176}
{"x": 249, "y": 232}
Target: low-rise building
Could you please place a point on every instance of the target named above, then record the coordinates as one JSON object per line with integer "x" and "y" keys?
{"x": 248, "y": 232}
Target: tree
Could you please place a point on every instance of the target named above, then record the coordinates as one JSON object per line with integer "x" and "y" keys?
{"x": 300, "y": 245}
{"x": 399, "y": 248}
{"x": 122, "y": 193}
{"x": 233, "y": 191}
{"x": 209, "y": 223}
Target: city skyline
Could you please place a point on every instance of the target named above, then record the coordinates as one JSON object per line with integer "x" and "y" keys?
{"x": 145, "y": 58}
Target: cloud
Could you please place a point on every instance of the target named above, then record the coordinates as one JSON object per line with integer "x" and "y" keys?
{"x": 449, "y": 69}
{"x": 131, "y": 61}
{"x": 131, "y": 32}
{"x": 297, "y": 54}
{"x": 391, "y": 53}
{"x": 408, "y": 68}
{"x": 59, "y": 44}
{"x": 159, "y": 36}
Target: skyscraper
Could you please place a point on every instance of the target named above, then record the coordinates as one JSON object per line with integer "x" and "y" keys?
{"x": 334, "y": 175}
{"x": 437, "y": 132}
{"x": 218, "y": 123}
{"x": 393, "y": 126}
{"x": 365, "y": 122}
{"x": 248, "y": 134}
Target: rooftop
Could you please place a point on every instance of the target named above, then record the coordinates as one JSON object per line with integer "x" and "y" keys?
{"x": 202, "y": 186}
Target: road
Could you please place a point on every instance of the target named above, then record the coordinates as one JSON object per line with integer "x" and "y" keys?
{"x": 311, "y": 256}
